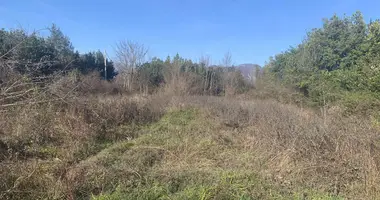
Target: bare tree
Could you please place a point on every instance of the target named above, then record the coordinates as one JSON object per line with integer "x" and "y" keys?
{"x": 227, "y": 59}
{"x": 227, "y": 62}
{"x": 129, "y": 55}
{"x": 254, "y": 75}
{"x": 205, "y": 60}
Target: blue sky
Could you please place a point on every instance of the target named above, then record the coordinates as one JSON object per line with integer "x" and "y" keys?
{"x": 252, "y": 30}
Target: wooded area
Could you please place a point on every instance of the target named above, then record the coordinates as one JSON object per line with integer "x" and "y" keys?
{"x": 338, "y": 62}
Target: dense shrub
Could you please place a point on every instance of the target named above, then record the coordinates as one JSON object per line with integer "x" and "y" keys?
{"x": 334, "y": 63}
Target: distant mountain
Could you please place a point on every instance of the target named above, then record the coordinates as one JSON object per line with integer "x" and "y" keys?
{"x": 247, "y": 69}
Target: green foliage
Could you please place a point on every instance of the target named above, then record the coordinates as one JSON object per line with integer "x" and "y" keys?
{"x": 209, "y": 80}
{"x": 334, "y": 61}
{"x": 94, "y": 61}
{"x": 60, "y": 44}
{"x": 152, "y": 72}
{"x": 35, "y": 55}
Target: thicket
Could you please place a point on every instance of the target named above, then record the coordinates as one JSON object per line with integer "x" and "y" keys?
{"x": 335, "y": 64}
{"x": 35, "y": 56}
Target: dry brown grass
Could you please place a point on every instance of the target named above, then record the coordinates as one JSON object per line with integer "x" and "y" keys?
{"x": 294, "y": 149}
{"x": 298, "y": 148}
{"x": 78, "y": 139}
{"x": 65, "y": 121}
{"x": 184, "y": 84}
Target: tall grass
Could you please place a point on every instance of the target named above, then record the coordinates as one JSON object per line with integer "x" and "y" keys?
{"x": 62, "y": 122}
{"x": 79, "y": 137}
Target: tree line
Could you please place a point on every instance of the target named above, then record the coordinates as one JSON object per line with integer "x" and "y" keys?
{"x": 33, "y": 55}
{"x": 336, "y": 62}
{"x": 194, "y": 77}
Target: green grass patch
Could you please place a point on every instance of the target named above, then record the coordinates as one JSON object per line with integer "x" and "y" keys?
{"x": 178, "y": 157}
{"x": 198, "y": 185}
{"x": 207, "y": 185}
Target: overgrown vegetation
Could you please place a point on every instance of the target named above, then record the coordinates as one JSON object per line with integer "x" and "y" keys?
{"x": 335, "y": 64}
{"x": 181, "y": 129}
